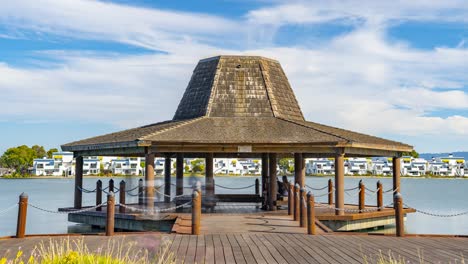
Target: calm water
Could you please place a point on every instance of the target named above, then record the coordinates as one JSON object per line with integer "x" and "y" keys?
{"x": 442, "y": 196}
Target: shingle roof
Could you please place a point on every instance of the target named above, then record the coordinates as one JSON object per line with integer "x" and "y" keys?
{"x": 237, "y": 100}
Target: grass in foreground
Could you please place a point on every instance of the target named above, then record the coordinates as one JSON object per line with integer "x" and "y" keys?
{"x": 390, "y": 258}
{"x": 68, "y": 251}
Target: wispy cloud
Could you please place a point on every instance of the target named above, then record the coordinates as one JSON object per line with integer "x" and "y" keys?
{"x": 362, "y": 79}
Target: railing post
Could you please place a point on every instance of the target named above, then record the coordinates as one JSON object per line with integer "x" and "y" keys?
{"x": 122, "y": 197}
{"x": 296, "y": 202}
{"x": 110, "y": 214}
{"x": 362, "y": 196}
{"x": 257, "y": 187}
{"x": 399, "y": 216}
{"x": 379, "y": 196}
{"x": 98, "y": 195}
{"x": 196, "y": 212}
{"x": 310, "y": 214}
{"x": 290, "y": 199}
{"x": 302, "y": 211}
{"x": 330, "y": 192}
{"x": 111, "y": 185}
{"x": 22, "y": 211}
{"x": 141, "y": 192}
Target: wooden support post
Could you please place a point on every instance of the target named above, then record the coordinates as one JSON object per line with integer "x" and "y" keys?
{"x": 98, "y": 195}
{"x": 180, "y": 174}
{"x": 273, "y": 186}
{"x": 141, "y": 192}
{"x": 311, "y": 214}
{"x": 302, "y": 209}
{"x": 209, "y": 175}
{"x": 22, "y": 212}
{"x": 290, "y": 199}
{"x": 330, "y": 192}
{"x": 196, "y": 212}
{"x": 396, "y": 174}
{"x": 299, "y": 169}
{"x": 296, "y": 202}
{"x": 399, "y": 216}
{"x": 339, "y": 184}
{"x": 122, "y": 196}
{"x": 78, "y": 182}
{"x": 110, "y": 214}
{"x": 265, "y": 179}
{"x": 379, "y": 196}
{"x": 111, "y": 187}
{"x": 257, "y": 187}
{"x": 362, "y": 196}
{"x": 149, "y": 180}
{"x": 167, "y": 179}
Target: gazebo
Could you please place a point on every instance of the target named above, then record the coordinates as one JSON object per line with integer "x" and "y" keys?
{"x": 237, "y": 106}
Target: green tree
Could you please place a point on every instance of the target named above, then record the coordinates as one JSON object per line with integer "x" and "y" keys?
{"x": 40, "y": 151}
{"x": 198, "y": 165}
{"x": 18, "y": 158}
{"x": 413, "y": 154}
{"x": 51, "y": 152}
{"x": 285, "y": 164}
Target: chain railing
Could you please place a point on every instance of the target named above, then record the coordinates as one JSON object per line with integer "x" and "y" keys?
{"x": 235, "y": 188}
{"x": 317, "y": 189}
{"x": 67, "y": 212}
{"x": 425, "y": 212}
{"x": 349, "y": 210}
{"x": 8, "y": 208}
{"x": 155, "y": 210}
{"x": 85, "y": 190}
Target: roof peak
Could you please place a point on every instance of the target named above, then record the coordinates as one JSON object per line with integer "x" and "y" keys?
{"x": 239, "y": 86}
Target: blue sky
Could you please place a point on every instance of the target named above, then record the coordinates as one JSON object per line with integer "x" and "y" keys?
{"x": 75, "y": 69}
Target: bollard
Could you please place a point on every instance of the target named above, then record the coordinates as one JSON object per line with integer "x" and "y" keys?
{"x": 22, "y": 212}
{"x": 196, "y": 212}
{"x": 362, "y": 196}
{"x": 330, "y": 192}
{"x": 257, "y": 187}
{"x": 141, "y": 192}
{"x": 110, "y": 214}
{"x": 111, "y": 186}
{"x": 296, "y": 202}
{"x": 399, "y": 216}
{"x": 302, "y": 211}
{"x": 122, "y": 197}
{"x": 98, "y": 195}
{"x": 290, "y": 199}
{"x": 310, "y": 214}
{"x": 379, "y": 196}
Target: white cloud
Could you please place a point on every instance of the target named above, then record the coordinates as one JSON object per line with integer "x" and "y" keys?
{"x": 360, "y": 80}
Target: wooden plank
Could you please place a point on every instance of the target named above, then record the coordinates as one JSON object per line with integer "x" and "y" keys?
{"x": 313, "y": 256}
{"x": 344, "y": 248}
{"x": 228, "y": 255}
{"x": 201, "y": 249}
{"x": 175, "y": 244}
{"x": 320, "y": 248}
{"x": 274, "y": 252}
{"x": 287, "y": 249}
{"x": 210, "y": 251}
{"x": 191, "y": 250}
{"x": 297, "y": 249}
{"x": 236, "y": 250}
{"x": 248, "y": 256}
{"x": 181, "y": 253}
{"x": 261, "y": 247}
{"x": 254, "y": 249}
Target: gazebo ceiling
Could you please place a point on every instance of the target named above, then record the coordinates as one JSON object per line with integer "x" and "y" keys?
{"x": 237, "y": 104}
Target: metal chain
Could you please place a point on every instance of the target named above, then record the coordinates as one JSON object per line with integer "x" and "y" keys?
{"x": 235, "y": 188}
{"x": 177, "y": 196}
{"x": 391, "y": 190}
{"x": 353, "y": 195}
{"x": 85, "y": 190}
{"x": 437, "y": 214}
{"x": 325, "y": 194}
{"x": 372, "y": 191}
{"x": 154, "y": 210}
{"x": 66, "y": 212}
{"x": 135, "y": 195}
{"x": 317, "y": 189}
{"x": 8, "y": 208}
{"x": 346, "y": 210}
{"x": 350, "y": 189}
{"x": 131, "y": 190}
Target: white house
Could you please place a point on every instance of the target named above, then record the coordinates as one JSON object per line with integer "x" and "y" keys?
{"x": 91, "y": 166}
{"x": 381, "y": 166}
{"x": 356, "y": 166}
{"x": 228, "y": 166}
{"x": 126, "y": 166}
{"x": 59, "y": 165}
{"x": 320, "y": 166}
{"x": 418, "y": 167}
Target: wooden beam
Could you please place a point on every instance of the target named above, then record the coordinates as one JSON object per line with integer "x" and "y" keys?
{"x": 180, "y": 174}
{"x": 273, "y": 185}
{"x": 299, "y": 169}
{"x": 339, "y": 183}
{"x": 149, "y": 179}
{"x": 167, "y": 179}
{"x": 396, "y": 173}
{"x": 125, "y": 152}
{"x": 209, "y": 180}
{"x": 265, "y": 175}
{"x": 78, "y": 182}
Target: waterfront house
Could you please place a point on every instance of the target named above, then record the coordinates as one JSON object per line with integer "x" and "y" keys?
{"x": 438, "y": 168}
{"x": 418, "y": 167}
{"x": 356, "y": 166}
{"x": 381, "y": 166}
{"x": 320, "y": 166}
{"x": 126, "y": 166}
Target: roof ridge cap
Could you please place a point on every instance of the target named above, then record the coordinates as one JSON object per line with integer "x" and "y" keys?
{"x": 182, "y": 123}
{"x": 328, "y": 133}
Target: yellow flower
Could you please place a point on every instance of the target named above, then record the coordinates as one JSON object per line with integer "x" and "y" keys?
{"x": 19, "y": 254}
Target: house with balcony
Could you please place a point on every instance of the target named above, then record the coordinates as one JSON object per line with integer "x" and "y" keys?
{"x": 91, "y": 166}
{"x": 126, "y": 166}
{"x": 456, "y": 165}
{"x": 381, "y": 166}
{"x": 250, "y": 167}
{"x": 438, "y": 168}
{"x": 356, "y": 166}
{"x": 418, "y": 167}
{"x": 320, "y": 166}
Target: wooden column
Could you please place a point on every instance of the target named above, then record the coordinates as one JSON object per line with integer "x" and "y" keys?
{"x": 149, "y": 180}
{"x": 78, "y": 182}
{"x": 167, "y": 179}
{"x": 339, "y": 184}
{"x": 180, "y": 174}
{"x": 22, "y": 212}
{"x": 99, "y": 195}
{"x": 273, "y": 185}
{"x": 265, "y": 174}
{"x": 299, "y": 169}
{"x": 379, "y": 196}
{"x": 399, "y": 215}
{"x": 209, "y": 183}
{"x": 396, "y": 173}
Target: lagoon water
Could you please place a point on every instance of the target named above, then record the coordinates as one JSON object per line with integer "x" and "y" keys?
{"x": 442, "y": 196}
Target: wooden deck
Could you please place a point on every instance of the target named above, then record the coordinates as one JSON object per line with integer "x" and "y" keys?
{"x": 278, "y": 248}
